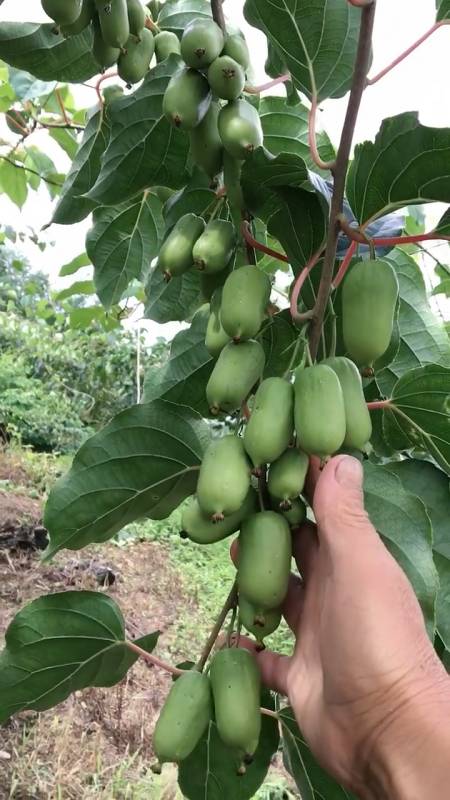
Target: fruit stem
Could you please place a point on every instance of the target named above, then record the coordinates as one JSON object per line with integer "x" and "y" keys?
{"x": 376, "y": 404}
{"x": 268, "y": 713}
{"x": 345, "y": 265}
{"x": 231, "y": 624}
{"x": 297, "y": 317}
{"x": 269, "y": 85}
{"x": 250, "y": 240}
{"x": 263, "y": 494}
{"x": 102, "y": 78}
{"x": 362, "y": 64}
{"x": 360, "y": 3}
{"x": 154, "y": 659}
{"x": 314, "y": 150}
{"x": 61, "y": 105}
{"x": 217, "y": 14}
{"x": 229, "y": 604}
{"x": 407, "y": 52}
{"x": 152, "y": 26}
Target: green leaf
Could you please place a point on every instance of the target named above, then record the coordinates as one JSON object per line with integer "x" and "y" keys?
{"x": 184, "y": 376}
{"x": 419, "y": 417}
{"x": 317, "y": 41}
{"x": 286, "y": 130}
{"x": 402, "y": 521}
{"x": 143, "y": 463}
{"x": 144, "y": 149}
{"x": 13, "y": 182}
{"x": 27, "y": 87}
{"x": 79, "y": 287}
{"x": 174, "y": 301}
{"x": 175, "y": 15}
{"x": 66, "y": 140}
{"x": 407, "y": 164}
{"x": 443, "y": 9}
{"x": 431, "y": 486}
{"x": 442, "y": 288}
{"x": 73, "y": 266}
{"x": 312, "y": 781}
{"x": 122, "y": 243}
{"x": 210, "y": 772}
{"x": 82, "y": 318}
{"x": 59, "y": 644}
{"x": 279, "y": 337}
{"x": 195, "y": 198}
{"x": 73, "y": 205}
{"x": 47, "y": 55}
{"x": 263, "y": 173}
{"x": 423, "y": 339}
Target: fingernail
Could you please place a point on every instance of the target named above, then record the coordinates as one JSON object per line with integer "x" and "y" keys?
{"x": 349, "y": 473}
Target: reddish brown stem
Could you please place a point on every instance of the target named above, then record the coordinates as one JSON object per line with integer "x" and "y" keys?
{"x": 406, "y": 53}
{"x": 217, "y": 13}
{"x": 104, "y": 77}
{"x": 376, "y": 404}
{"x": 297, "y": 317}
{"x": 151, "y": 25}
{"x": 326, "y": 165}
{"x": 154, "y": 659}
{"x": 345, "y": 265}
{"x": 360, "y": 3}
{"x": 269, "y": 85}
{"x": 358, "y": 236}
{"x": 245, "y": 411}
{"x": 250, "y": 240}
{"x": 61, "y": 105}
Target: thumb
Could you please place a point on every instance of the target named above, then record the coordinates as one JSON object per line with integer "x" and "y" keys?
{"x": 339, "y": 503}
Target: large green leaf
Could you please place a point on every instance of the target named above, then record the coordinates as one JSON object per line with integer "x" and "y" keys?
{"x": 432, "y": 487}
{"x": 401, "y": 519}
{"x": 406, "y": 164}
{"x": 47, "y": 55}
{"x": 73, "y": 205}
{"x": 210, "y": 772}
{"x": 59, "y": 644}
{"x": 312, "y": 781}
{"x": 279, "y": 337}
{"x": 143, "y": 463}
{"x": 13, "y": 182}
{"x": 172, "y": 301}
{"x": 420, "y": 417}
{"x": 194, "y": 198}
{"x": 316, "y": 40}
{"x": 443, "y": 9}
{"x": 175, "y": 15}
{"x": 423, "y": 339}
{"x": 144, "y": 149}
{"x": 286, "y": 130}
{"x": 122, "y": 243}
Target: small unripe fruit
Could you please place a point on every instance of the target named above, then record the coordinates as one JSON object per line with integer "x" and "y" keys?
{"x": 236, "y": 687}
{"x": 245, "y": 297}
{"x": 240, "y": 129}
{"x": 206, "y": 144}
{"x": 113, "y": 16}
{"x": 265, "y": 552}
{"x": 201, "y": 43}
{"x": 319, "y": 410}
{"x": 236, "y": 47}
{"x": 271, "y": 424}
{"x": 184, "y": 717}
{"x": 357, "y": 417}
{"x": 186, "y": 99}
{"x": 224, "y": 478}
{"x": 175, "y": 255}
{"x": 226, "y": 78}
{"x": 214, "y": 249}
{"x": 166, "y": 43}
{"x": 134, "y": 64}
{"x": 237, "y": 369}
{"x": 287, "y": 476}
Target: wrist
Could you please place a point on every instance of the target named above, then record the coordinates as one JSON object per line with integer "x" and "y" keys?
{"x": 409, "y": 753}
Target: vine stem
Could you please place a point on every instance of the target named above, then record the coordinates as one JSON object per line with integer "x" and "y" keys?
{"x": 217, "y": 14}
{"x": 154, "y": 659}
{"x": 312, "y": 139}
{"x": 230, "y": 603}
{"x": 340, "y": 172}
{"x": 250, "y": 240}
{"x": 345, "y": 265}
{"x": 357, "y": 235}
{"x": 269, "y": 85}
{"x": 407, "y": 52}
{"x": 104, "y": 77}
{"x": 376, "y": 404}
{"x": 297, "y": 317}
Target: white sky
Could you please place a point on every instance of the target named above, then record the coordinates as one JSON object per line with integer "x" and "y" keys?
{"x": 421, "y": 84}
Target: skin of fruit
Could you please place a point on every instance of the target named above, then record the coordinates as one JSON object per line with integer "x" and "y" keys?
{"x": 63, "y": 13}
{"x": 236, "y": 687}
{"x": 271, "y": 424}
{"x": 294, "y": 515}
{"x": 224, "y": 478}
{"x": 136, "y": 17}
{"x": 134, "y": 64}
{"x": 104, "y": 55}
{"x": 111, "y": 93}
{"x": 240, "y": 129}
{"x": 113, "y": 16}
{"x": 265, "y": 552}
{"x": 236, "y": 47}
{"x": 245, "y": 297}
{"x": 236, "y": 371}
{"x": 186, "y": 99}
{"x": 369, "y": 298}
{"x": 184, "y": 717}
{"x": 166, "y": 43}
{"x": 206, "y": 144}
{"x": 319, "y": 410}
{"x": 201, "y": 43}
{"x": 214, "y": 249}
{"x": 226, "y": 78}
{"x": 83, "y": 20}
{"x": 260, "y": 625}
{"x": 216, "y": 338}
{"x": 175, "y": 256}
{"x": 202, "y": 530}
{"x": 287, "y": 475}
{"x": 357, "y": 416}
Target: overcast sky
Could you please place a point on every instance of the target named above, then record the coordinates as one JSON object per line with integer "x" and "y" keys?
{"x": 421, "y": 84}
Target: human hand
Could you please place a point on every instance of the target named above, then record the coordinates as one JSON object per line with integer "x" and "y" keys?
{"x": 364, "y": 679}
